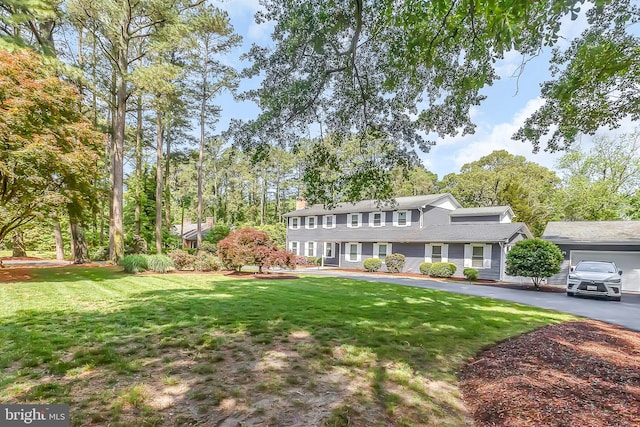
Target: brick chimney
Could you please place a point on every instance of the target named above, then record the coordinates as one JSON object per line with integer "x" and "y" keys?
{"x": 209, "y": 221}
{"x": 301, "y": 203}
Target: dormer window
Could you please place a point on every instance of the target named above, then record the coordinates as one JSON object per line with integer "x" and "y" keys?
{"x": 311, "y": 222}
{"x": 354, "y": 220}
{"x": 376, "y": 219}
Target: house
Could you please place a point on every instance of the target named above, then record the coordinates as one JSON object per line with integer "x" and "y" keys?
{"x": 429, "y": 228}
{"x": 190, "y": 235}
{"x": 617, "y": 241}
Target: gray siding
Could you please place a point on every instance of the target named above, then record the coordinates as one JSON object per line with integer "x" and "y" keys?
{"x": 561, "y": 278}
{"x": 435, "y": 216}
{"x": 486, "y": 218}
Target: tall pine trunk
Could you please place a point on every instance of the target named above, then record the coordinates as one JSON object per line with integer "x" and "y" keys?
{"x": 117, "y": 161}
{"x": 203, "y": 106}
{"x": 159, "y": 147}
{"x": 138, "y": 207}
{"x": 167, "y": 182}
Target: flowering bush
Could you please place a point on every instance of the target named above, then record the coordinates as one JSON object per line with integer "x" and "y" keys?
{"x": 182, "y": 260}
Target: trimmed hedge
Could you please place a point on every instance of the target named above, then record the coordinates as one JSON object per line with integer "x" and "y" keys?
{"x": 395, "y": 263}
{"x": 425, "y": 267}
{"x": 372, "y": 264}
{"x": 470, "y": 273}
{"x": 442, "y": 269}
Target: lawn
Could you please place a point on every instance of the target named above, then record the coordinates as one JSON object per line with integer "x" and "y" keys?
{"x": 201, "y": 348}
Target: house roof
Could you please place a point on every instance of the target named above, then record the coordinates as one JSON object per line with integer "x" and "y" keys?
{"x": 411, "y": 202}
{"x": 593, "y": 232}
{"x": 446, "y": 233}
{"x": 190, "y": 230}
{"x": 488, "y": 210}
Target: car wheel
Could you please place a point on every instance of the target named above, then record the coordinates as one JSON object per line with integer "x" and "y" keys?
{"x": 615, "y": 298}
{"x": 570, "y": 294}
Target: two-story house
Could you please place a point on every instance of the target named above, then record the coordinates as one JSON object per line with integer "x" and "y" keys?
{"x": 429, "y": 228}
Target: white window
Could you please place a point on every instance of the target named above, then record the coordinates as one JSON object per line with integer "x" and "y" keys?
{"x": 376, "y": 219}
{"x": 381, "y": 250}
{"x": 354, "y": 220}
{"x": 311, "y": 249}
{"x": 328, "y": 249}
{"x": 329, "y": 221}
{"x": 353, "y": 252}
{"x": 436, "y": 252}
{"x": 294, "y": 222}
{"x": 402, "y": 218}
{"x": 311, "y": 222}
{"x": 293, "y": 248}
{"x": 477, "y": 256}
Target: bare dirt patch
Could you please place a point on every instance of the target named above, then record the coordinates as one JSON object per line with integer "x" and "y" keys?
{"x": 8, "y": 275}
{"x": 578, "y": 373}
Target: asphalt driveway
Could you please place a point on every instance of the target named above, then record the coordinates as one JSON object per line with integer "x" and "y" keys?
{"x": 625, "y": 313}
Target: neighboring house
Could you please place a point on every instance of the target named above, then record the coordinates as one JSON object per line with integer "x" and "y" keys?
{"x": 617, "y": 241}
{"x": 428, "y": 228}
{"x": 190, "y": 235}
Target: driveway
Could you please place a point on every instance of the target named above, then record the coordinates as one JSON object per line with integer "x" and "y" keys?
{"x": 625, "y": 313}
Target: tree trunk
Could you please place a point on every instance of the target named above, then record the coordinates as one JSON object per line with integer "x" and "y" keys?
{"x": 138, "y": 207}
{"x": 80, "y": 249}
{"x": 117, "y": 159}
{"x": 159, "y": 147}
{"x": 167, "y": 182}
{"x": 182, "y": 226}
{"x": 19, "y": 250}
{"x": 58, "y": 236}
{"x": 203, "y": 106}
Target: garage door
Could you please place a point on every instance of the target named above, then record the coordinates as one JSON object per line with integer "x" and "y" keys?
{"x": 628, "y": 262}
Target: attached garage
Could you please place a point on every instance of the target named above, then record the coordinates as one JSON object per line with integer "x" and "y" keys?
{"x": 617, "y": 241}
{"x": 628, "y": 262}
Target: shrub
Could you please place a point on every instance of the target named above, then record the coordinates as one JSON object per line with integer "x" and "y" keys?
{"x": 182, "y": 260}
{"x": 100, "y": 254}
{"x": 442, "y": 269}
{"x": 204, "y": 261}
{"x": 301, "y": 260}
{"x": 207, "y": 247}
{"x": 281, "y": 258}
{"x": 159, "y": 263}
{"x": 535, "y": 258}
{"x": 395, "y": 263}
{"x": 246, "y": 246}
{"x": 134, "y": 263}
{"x": 424, "y": 268}
{"x": 372, "y": 264}
{"x": 470, "y": 273}
{"x": 311, "y": 260}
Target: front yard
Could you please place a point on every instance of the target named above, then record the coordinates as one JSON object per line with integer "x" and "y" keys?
{"x": 201, "y": 349}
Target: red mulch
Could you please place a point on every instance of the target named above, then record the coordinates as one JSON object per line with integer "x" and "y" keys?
{"x": 249, "y": 275}
{"x": 583, "y": 373}
{"x": 8, "y": 275}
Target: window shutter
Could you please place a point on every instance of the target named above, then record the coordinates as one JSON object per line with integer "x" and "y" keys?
{"x": 376, "y": 250}
{"x": 467, "y": 255}
{"x": 427, "y": 253}
{"x": 445, "y": 253}
{"x": 408, "y": 218}
{"x": 486, "y": 262}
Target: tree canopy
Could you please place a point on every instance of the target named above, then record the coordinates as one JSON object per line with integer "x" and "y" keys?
{"x": 534, "y": 258}
{"x": 49, "y": 150}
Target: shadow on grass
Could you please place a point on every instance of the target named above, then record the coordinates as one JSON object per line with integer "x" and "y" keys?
{"x": 398, "y": 342}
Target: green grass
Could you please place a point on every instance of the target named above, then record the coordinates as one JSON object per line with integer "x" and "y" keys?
{"x": 114, "y": 345}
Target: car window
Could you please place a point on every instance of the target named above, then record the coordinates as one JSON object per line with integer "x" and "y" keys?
{"x": 596, "y": 267}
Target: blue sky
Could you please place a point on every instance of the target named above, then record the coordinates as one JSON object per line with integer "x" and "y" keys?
{"x": 509, "y": 101}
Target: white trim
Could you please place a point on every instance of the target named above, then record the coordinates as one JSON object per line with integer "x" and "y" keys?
{"x": 331, "y": 245}
{"x": 324, "y": 221}
{"x": 376, "y": 249}
{"x": 291, "y": 226}
{"x": 349, "y": 215}
{"x": 428, "y": 251}
{"x": 315, "y": 222}
{"x": 306, "y": 248}
{"x": 486, "y": 255}
{"x": 395, "y": 218}
{"x": 297, "y": 251}
{"x": 383, "y": 219}
{"x": 347, "y": 252}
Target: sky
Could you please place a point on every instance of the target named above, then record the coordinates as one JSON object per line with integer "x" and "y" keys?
{"x": 509, "y": 101}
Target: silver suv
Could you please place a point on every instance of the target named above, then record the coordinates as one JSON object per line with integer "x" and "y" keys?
{"x": 595, "y": 278}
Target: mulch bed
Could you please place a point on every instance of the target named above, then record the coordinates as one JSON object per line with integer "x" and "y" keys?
{"x": 252, "y": 275}
{"x": 583, "y": 373}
